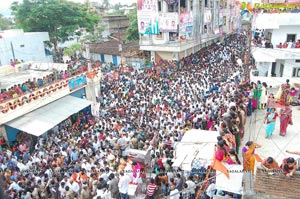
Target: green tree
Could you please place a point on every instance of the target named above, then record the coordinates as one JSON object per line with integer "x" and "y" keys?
{"x": 71, "y": 51}
{"x": 5, "y": 24}
{"x": 106, "y": 4}
{"x": 61, "y": 18}
{"x": 132, "y": 33}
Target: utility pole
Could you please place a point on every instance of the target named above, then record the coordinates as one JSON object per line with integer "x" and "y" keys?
{"x": 90, "y": 70}
{"x": 13, "y": 51}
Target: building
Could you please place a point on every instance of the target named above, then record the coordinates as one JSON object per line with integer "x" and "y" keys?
{"x": 172, "y": 29}
{"x": 113, "y": 24}
{"x": 275, "y": 65}
{"x": 41, "y": 110}
{"x": 26, "y": 46}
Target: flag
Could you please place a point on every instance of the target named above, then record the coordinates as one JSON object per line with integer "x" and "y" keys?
{"x": 217, "y": 165}
{"x": 257, "y": 158}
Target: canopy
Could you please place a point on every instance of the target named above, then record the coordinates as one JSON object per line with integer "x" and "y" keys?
{"x": 43, "y": 119}
{"x": 195, "y": 146}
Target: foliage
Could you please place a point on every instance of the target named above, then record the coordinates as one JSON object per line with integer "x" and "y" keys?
{"x": 132, "y": 33}
{"x": 106, "y": 4}
{"x": 71, "y": 51}
{"x": 61, "y": 18}
{"x": 5, "y": 24}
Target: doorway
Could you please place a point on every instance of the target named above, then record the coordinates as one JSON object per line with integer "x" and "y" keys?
{"x": 291, "y": 37}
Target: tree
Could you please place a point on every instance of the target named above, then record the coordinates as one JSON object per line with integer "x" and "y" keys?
{"x": 106, "y": 4}
{"x": 132, "y": 33}
{"x": 5, "y": 24}
{"x": 61, "y": 18}
{"x": 73, "y": 49}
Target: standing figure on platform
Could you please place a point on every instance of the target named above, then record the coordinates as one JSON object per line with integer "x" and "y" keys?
{"x": 285, "y": 90}
{"x": 285, "y": 119}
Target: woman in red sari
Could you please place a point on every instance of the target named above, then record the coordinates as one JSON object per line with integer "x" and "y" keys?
{"x": 285, "y": 119}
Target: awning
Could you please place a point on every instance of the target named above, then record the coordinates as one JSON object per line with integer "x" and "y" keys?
{"x": 43, "y": 119}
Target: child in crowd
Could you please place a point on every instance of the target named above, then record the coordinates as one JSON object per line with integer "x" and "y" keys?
{"x": 270, "y": 102}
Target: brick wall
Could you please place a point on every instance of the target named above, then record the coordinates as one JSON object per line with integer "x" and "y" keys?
{"x": 277, "y": 185}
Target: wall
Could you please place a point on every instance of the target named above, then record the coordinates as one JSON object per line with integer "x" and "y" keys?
{"x": 279, "y": 35}
{"x": 277, "y": 185}
{"x": 11, "y": 133}
{"x": 166, "y": 55}
{"x": 79, "y": 93}
{"x": 289, "y": 65}
{"x": 26, "y": 46}
{"x": 263, "y": 68}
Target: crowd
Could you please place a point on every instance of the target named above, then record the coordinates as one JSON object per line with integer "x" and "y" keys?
{"x": 83, "y": 157}
{"x": 36, "y": 83}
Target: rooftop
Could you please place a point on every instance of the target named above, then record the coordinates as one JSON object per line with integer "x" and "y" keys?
{"x": 21, "y": 77}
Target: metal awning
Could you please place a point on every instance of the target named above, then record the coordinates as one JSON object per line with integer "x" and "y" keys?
{"x": 43, "y": 119}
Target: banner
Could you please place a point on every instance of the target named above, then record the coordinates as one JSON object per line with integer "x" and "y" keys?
{"x": 77, "y": 82}
{"x": 148, "y": 23}
{"x": 168, "y": 22}
{"x": 293, "y": 1}
{"x": 147, "y": 5}
{"x": 186, "y": 23}
{"x": 207, "y": 16}
{"x": 95, "y": 109}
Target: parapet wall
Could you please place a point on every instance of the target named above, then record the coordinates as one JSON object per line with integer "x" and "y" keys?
{"x": 277, "y": 185}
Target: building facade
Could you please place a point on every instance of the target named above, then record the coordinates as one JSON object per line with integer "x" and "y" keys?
{"x": 26, "y": 46}
{"x": 172, "y": 29}
{"x": 282, "y": 61}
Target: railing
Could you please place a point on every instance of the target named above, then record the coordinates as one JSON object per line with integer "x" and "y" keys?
{"x": 74, "y": 83}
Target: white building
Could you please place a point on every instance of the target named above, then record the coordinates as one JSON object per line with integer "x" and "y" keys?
{"x": 172, "y": 29}
{"x": 26, "y": 46}
{"x": 275, "y": 65}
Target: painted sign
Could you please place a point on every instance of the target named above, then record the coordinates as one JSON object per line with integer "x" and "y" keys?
{"x": 168, "y": 22}
{"x": 147, "y": 17}
{"x": 147, "y": 5}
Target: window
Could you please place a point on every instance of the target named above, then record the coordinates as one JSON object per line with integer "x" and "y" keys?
{"x": 206, "y": 3}
{"x": 173, "y": 36}
{"x": 297, "y": 60}
{"x": 22, "y": 46}
{"x": 160, "y": 36}
{"x": 291, "y": 37}
{"x": 159, "y": 6}
{"x": 296, "y": 72}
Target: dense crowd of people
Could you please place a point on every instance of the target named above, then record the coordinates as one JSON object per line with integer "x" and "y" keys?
{"x": 150, "y": 109}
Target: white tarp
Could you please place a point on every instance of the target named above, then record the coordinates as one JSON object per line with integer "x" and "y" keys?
{"x": 43, "y": 119}
{"x": 234, "y": 183}
{"x": 196, "y": 145}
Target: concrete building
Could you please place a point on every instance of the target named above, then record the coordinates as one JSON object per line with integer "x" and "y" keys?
{"x": 176, "y": 28}
{"x": 26, "y": 46}
{"x": 275, "y": 65}
{"x": 114, "y": 24}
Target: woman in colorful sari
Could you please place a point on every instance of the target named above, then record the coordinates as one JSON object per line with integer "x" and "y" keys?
{"x": 248, "y": 156}
{"x": 285, "y": 119}
{"x": 285, "y": 90}
{"x": 259, "y": 92}
{"x": 270, "y": 120}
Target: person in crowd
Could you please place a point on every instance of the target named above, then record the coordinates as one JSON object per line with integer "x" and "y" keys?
{"x": 263, "y": 97}
{"x": 289, "y": 166}
{"x": 248, "y": 155}
{"x": 151, "y": 189}
{"x": 233, "y": 157}
{"x": 285, "y": 116}
{"x": 124, "y": 185}
{"x": 270, "y": 120}
{"x": 270, "y": 102}
{"x": 211, "y": 190}
{"x": 270, "y": 164}
{"x": 283, "y": 92}
{"x": 174, "y": 193}
{"x": 292, "y": 94}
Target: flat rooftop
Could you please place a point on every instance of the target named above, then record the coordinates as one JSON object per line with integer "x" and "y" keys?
{"x": 12, "y": 79}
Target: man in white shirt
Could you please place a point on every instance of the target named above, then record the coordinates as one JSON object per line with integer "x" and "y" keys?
{"x": 74, "y": 186}
{"x": 191, "y": 187}
{"x": 211, "y": 189}
{"x": 174, "y": 194}
{"x": 124, "y": 185}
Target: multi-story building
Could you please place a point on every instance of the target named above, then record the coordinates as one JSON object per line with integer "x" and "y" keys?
{"x": 277, "y": 48}
{"x": 172, "y": 29}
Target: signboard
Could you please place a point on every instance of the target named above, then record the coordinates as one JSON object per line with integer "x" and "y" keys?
{"x": 207, "y": 16}
{"x": 170, "y": 2}
{"x": 186, "y": 23}
{"x": 168, "y": 22}
{"x": 77, "y": 82}
{"x": 147, "y": 17}
{"x": 147, "y": 5}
